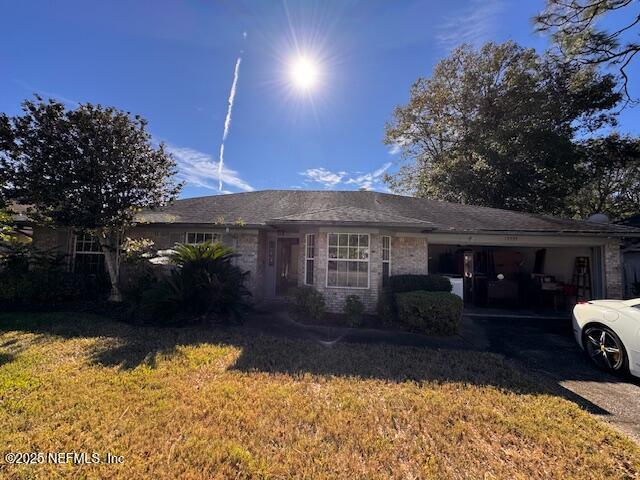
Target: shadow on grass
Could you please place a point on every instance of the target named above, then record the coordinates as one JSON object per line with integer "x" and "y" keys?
{"x": 127, "y": 347}
{"x": 6, "y": 358}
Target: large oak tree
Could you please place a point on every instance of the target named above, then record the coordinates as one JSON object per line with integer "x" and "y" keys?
{"x": 576, "y": 30}
{"x": 610, "y": 169}
{"x": 90, "y": 168}
{"x": 496, "y": 127}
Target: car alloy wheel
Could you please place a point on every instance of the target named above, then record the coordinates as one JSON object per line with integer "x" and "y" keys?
{"x": 605, "y": 348}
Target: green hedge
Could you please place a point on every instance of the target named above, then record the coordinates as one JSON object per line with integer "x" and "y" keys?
{"x": 307, "y": 301}
{"x": 411, "y": 283}
{"x": 433, "y": 313}
{"x": 354, "y": 311}
{"x": 38, "y": 289}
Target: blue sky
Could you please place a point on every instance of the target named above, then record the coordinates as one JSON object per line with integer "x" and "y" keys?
{"x": 173, "y": 63}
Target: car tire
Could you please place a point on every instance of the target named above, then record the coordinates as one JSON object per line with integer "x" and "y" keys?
{"x": 605, "y": 349}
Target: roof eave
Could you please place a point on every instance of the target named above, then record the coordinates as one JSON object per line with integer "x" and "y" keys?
{"x": 585, "y": 233}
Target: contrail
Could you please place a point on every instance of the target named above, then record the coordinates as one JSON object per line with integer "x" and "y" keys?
{"x": 227, "y": 120}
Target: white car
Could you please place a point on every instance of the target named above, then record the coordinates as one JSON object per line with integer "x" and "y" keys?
{"x": 609, "y": 331}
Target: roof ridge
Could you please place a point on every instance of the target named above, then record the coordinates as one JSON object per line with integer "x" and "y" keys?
{"x": 354, "y": 208}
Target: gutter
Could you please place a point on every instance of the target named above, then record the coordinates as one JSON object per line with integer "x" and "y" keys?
{"x": 578, "y": 233}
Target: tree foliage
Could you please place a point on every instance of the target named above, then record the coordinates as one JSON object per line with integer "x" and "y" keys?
{"x": 574, "y": 30}
{"x": 610, "y": 169}
{"x": 495, "y": 127}
{"x": 91, "y": 168}
{"x": 205, "y": 284}
{"x": 6, "y": 219}
{"x": 6, "y": 225}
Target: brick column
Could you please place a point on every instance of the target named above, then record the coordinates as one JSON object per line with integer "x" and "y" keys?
{"x": 613, "y": 270}
{"x": 247, "y": 247}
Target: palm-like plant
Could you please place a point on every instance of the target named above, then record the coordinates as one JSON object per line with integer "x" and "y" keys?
{"x": 205, "y": 284}
{"x": 200, "y": 254}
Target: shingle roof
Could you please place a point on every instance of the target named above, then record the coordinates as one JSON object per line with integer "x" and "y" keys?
{"x": 349, "y": 214}
{"x": 273, "y": 207}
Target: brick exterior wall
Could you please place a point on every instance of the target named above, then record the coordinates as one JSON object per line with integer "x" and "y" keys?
{"x": 246, "y": 244}
{"x": 335, "y": 296}
{"x": 163, "y": 238}
{"x": 408, "y": 255}
{"x": 613, "y": 270}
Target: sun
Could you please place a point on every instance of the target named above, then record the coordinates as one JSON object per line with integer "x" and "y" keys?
{"x": 304, "y": 73}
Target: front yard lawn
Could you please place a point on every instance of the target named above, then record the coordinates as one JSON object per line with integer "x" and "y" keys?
{"x": 207, "y": 403}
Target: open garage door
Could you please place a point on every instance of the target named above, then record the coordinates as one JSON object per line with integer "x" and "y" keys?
{"x": 539, "y": 278}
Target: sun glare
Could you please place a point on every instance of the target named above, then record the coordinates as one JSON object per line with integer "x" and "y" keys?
{"x": 304, "y": 73}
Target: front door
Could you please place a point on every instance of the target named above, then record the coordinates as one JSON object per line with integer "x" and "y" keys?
{"x": 286, "y": 265}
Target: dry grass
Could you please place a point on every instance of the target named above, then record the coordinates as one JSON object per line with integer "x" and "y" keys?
{"x": 193, "y": 403}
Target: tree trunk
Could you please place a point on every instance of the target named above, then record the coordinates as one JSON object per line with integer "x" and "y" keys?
{"x": 110, "y": 248}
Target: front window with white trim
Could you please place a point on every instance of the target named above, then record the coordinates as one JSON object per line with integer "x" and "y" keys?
{"x": 348, "y": 260}
{"x": 194, "y": 238}
{"x": 88, "y": 257}
{"x": 386, "y": 260}
{"x": 309, "y": 258}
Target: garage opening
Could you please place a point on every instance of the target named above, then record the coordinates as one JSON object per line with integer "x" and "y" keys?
{"x": 544, "y": 278}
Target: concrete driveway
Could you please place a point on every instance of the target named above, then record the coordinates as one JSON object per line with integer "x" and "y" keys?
{"x": 546, "y": 347}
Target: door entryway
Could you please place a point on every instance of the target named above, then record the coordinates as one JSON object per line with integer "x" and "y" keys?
{"x": 286, "y": 265}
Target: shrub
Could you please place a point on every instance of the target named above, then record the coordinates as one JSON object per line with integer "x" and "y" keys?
{"x": 386, "y": 307}
{"x": 205, "y": 284}
{"x": 18, "y": 257}
{"x": 307, "y": 301}
{"x": 137, "y": 273}
{"x": 36, "y": 289}
{"x": 411, "y": 283}
{"x": 354, "y": 310}
{"x": 433, "y": 313}
{"x": 33, "y": 279}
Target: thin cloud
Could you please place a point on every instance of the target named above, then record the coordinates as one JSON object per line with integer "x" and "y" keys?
{"x": 198, "y": 169}
{"x": 227, "y": 120}
{"x": 330, "y": 180}
{"x": 368, "y": 180}
{"x": 68, "y": 102}
{"x": 474, "y": 24}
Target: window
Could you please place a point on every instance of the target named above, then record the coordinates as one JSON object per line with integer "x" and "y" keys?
{"x": 88, "y": 256}
{"x": 194, "y": 238}
{"x": 386, "y": 260}
{"x": 348, "y": 260}
{"x": 309, "y": 258}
